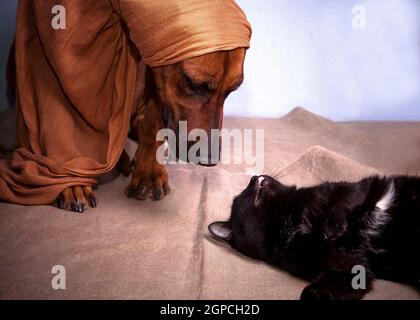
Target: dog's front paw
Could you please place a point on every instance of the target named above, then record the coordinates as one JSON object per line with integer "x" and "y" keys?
{"x": 76, "y": 199}
{"x": 149, "y": 181}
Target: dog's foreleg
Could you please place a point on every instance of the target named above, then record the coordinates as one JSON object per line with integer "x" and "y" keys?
{"x": 149, "y": 177}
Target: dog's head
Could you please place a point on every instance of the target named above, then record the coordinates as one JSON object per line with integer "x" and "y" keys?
{"x": 258, "y": 214}
{"x": 194, "y": 90}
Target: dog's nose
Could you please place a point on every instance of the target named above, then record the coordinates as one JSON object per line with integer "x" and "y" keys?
{"x": 209, "y": 157}
{"x": 207, "y": 164}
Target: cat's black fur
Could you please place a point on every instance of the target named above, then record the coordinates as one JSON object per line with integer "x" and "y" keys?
{"x": 321, "y": 233}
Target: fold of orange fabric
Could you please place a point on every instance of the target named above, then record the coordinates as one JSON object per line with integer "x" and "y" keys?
{"x": 75, "y": 86}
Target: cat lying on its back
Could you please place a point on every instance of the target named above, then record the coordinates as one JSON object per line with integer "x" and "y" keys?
{"x": 321, "y": 233}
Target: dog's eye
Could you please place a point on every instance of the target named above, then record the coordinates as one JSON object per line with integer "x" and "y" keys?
{"x": 195, "y": 87}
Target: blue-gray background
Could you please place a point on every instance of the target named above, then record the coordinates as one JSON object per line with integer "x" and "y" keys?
{"x": 306, "y": 53}
{"x": 7, "y": 29}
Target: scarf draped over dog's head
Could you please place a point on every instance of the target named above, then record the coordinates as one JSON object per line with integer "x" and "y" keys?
{"x": 76, "y": 77}
{"x": 174, "y": 30}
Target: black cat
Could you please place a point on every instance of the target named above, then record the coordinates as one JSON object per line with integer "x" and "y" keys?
{"x": 331, "y": 233}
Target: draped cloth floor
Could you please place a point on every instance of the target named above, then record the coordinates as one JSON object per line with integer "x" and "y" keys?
{"x": 126, "y": 249}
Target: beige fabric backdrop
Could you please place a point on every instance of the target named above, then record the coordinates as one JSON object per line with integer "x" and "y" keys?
{"x": 126, "y": 249}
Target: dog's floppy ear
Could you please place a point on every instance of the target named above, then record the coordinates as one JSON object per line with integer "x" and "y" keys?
{"x": 221, "y": 230}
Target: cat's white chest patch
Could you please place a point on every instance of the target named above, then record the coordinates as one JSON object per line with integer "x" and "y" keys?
{"x": 380, "y": 216}
{"x": 388, "y": 198}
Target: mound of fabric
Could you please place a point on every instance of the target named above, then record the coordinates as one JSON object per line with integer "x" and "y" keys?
{"x": 75, "y": 86}
{"x": 129, "y": 249}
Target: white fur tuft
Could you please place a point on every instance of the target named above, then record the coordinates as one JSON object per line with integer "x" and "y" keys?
{"x": 380, "y": 216}
{"x": 388, "y": 198}
{"x": 260, "y": 181}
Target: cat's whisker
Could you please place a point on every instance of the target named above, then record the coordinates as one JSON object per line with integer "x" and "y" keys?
{"x": 276, "y": 173}
{"x": 279, "y": 177}
{"x": 272, "y": 172}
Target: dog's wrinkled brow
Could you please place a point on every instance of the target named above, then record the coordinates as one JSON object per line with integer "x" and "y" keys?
{"x": 201, "y": 81}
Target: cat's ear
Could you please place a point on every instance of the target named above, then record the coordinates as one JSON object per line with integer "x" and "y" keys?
{"x": 221, "y": 230}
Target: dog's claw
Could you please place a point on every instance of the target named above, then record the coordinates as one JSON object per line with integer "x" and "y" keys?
{"x": 93, "y": 203}
{"x": 166, "y": 189}
{"x": 157, "y": 195}
{"x": 73, "y": 206}
{"x": 76, "y": 199}
{"x": 131, "y": 192}
{"x": 77, "y": 207}
{"x": 59, "y": 203}
{"x": 142, "y": 194}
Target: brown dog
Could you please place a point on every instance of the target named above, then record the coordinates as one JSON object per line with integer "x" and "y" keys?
{"x": 193, "y": 90}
